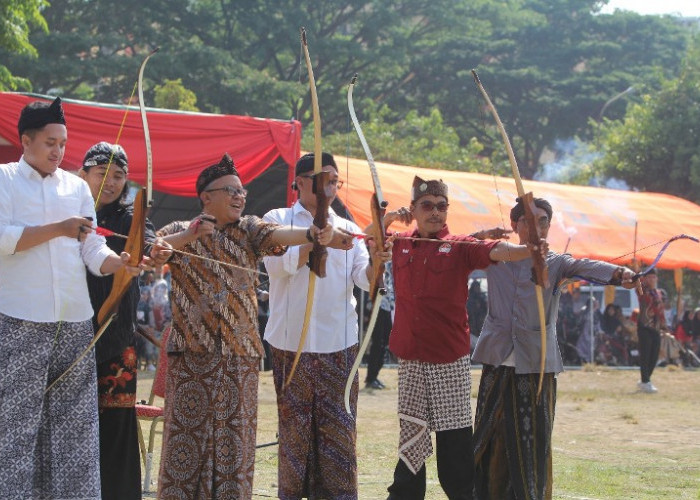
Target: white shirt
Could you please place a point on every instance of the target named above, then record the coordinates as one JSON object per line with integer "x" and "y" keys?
{"x": 45, "y": 283}
{"x": 333, "y": 324}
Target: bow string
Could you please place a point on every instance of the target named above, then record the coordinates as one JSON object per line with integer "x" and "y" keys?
{"x": 321, "y": 188}
{"x": 540, "y": 272}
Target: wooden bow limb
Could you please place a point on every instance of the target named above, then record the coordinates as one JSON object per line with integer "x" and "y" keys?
{"x": 146, "y": 133}
{"x": 144, "y": 333}
{"x": 85, "y": 352}
{"x": 321, "y": 185}
{"x": 540, "y": 272}
{"x": 376, "y": 306}
{"x": 378, "y": 234}
{"x": 134, "y": 247}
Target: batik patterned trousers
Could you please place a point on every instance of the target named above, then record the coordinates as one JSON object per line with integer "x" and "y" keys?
{"x": 49, "y": 445}
{"x": 211, "y": 411}
{"x": 317, "y": 437}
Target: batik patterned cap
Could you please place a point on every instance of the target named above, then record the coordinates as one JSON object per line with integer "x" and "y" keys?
{"x": 213, "y": 172}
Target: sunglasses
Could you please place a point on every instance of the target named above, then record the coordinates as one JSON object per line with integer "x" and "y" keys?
{"x": 429, "y": 206}
{"x": 335, "y": 183}
{"x": 231, "y": 191}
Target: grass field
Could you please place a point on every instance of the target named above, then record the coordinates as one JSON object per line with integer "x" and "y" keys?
{"x": 610, "y": 441}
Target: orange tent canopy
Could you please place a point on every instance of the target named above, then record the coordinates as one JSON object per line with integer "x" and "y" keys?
{"x": 596, "y": 223}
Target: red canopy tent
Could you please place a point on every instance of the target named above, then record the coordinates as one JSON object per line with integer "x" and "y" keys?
{"x": 183, "y": 143}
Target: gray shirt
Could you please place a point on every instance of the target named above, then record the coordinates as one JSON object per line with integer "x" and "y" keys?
{"x": 512, "y": 324}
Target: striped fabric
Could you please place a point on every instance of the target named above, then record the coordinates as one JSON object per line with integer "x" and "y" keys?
{"x": 513, "y": 435}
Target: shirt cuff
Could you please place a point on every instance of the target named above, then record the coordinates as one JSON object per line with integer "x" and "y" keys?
{"x": 96, "y": 260}
{"x": 9, "y": 238}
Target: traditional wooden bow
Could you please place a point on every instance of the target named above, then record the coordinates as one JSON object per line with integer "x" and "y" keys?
{"x": 378, "y": 208}
{"x": 321, "y": 188}
{"x": 134, "y": 245}
{"x": 540, "y": 272}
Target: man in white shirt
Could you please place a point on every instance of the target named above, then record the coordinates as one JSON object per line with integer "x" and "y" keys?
{"x": 48, "y": 439}
{"x": 316, "y": 435}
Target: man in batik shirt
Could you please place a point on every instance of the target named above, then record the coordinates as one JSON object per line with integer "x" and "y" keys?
{"x": 214, "y": 348}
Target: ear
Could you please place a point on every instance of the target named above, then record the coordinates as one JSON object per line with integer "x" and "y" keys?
{"x": 26, "y": 140}
{"x": 82, "y": 173}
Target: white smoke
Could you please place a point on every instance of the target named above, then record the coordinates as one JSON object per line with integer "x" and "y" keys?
{"x": 573, "y": 164}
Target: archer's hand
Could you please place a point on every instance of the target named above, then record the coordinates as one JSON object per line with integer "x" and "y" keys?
{"x": 202, "y": 225}
{"x": 402, "y": 215}
{"x": 542, "y": 247}
{"x": 340, "y": 239}
{"x": 76, "y": 227}
{"x": 378, "y": 255}
{"x": 628, "y": 280}
{"x": 132, "y": 270}
{"x": 160, "y": 252}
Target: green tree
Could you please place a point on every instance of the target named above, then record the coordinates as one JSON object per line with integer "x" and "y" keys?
{"x": 173, "y": 95}
{"x": 419, "y": 140}
{"x": 17, "y": 17}
{"x": 655, "y": 148}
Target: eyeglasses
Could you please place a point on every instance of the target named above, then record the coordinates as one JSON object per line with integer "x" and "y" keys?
{"x": 337, "y": 183}
{"x": 429, "y": 206}
{"x": 231, "y": 191}
{"x": 543, "y": 221}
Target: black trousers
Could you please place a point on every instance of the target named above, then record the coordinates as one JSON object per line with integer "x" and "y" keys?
{"x": 649, "y": 344}
{"x": 380, "y": 339}
{"x": 455, "y": 465}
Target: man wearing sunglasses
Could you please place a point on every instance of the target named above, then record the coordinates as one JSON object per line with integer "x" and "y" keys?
{"x": 431, "y": 338}
{"x": 317, "y": 457}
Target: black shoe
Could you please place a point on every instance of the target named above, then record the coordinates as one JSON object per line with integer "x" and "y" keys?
{"x": 375, "y": 384}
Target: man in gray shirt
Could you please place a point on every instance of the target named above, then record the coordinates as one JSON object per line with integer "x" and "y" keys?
{"x": 512, "y": 430}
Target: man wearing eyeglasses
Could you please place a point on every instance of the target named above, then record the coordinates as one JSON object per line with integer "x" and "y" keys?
{"x": 512, "y": 430}
{"x": 317, "y": 437}
{"x": 214, "y": 347}
{"x": 430, "y": 336}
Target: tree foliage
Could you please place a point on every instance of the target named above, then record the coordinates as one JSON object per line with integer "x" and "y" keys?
{"x": 17, "y": 17}
{"x": 549, "y": 65}
{"x": 172, "y": 95}
{"x": 655, "y": 147}
{"x": 414, "y": 140}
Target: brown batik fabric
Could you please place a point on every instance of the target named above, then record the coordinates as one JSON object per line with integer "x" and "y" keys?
{"x": 513, "y": 435}
{"x": 215, "y": 306}
{"x": 317, "y": 437}
{"x": 210, "y": 427}
{"x": 432, "y": 397}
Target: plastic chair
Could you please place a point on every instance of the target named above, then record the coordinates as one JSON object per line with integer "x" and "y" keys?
{"x": 152, "y": 413}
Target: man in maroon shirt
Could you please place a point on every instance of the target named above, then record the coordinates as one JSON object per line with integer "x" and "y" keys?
{"x": 430, "y": 336}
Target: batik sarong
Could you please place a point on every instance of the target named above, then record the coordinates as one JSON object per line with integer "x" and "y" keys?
{"x": 48, "y": 441}
{"x": 120, "y": 458}
{"x": 512, "y": 435}
{"x": 432, "y": 397}
{"x": 317, "y": 437}
{"x": 211, "y": 403}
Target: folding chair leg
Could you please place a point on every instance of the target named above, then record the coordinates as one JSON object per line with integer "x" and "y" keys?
{"x": 147, "y": 476}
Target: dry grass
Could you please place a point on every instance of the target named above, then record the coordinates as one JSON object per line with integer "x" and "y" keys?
{"x": 610, "y": 441}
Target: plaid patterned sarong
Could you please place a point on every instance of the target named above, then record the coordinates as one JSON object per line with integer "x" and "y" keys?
{"x": 432, "y": 397}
